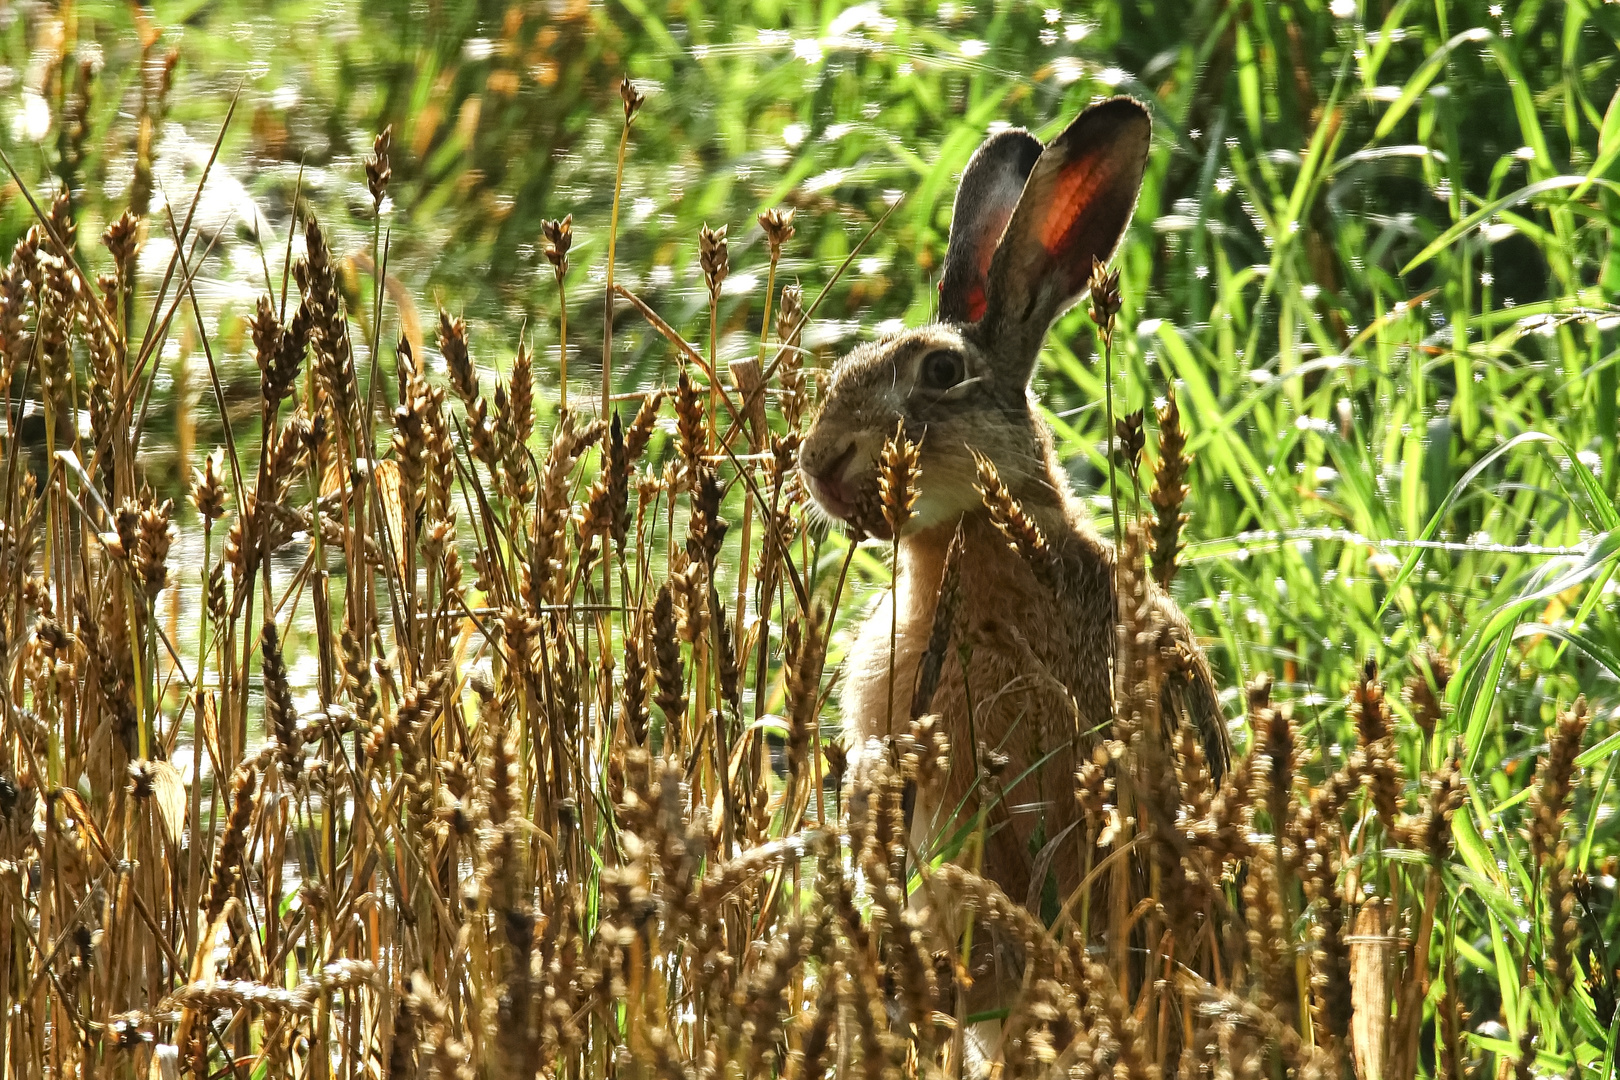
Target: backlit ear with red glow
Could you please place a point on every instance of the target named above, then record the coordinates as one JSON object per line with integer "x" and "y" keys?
{"x": 1075, "y": 205}
{"x": 991, "y": 185}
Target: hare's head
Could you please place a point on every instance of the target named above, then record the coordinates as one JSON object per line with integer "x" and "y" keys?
{"x": 1027, "y": 224}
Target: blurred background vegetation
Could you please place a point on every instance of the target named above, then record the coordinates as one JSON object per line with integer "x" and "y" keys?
{"x": 1377, "y": 252}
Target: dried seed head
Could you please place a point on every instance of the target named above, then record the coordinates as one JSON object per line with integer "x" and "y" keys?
{"x": 1554, "y": 779}
{"x": 279, "y": 349}
{"x": 232, "y": 844}
{"x": 514, "y": 421}
{"x": 897, "y": 479}
{"x": 378, "y": 167}
{"x": 1446, "y": 795}
{"x": 707, "y": 529}
{"x": 778, "y": 225}
{"x": 713, "y": 257}
{"x": 1131, "y": 438}
{"x": 631, "y": 97}
{"x": 1425, "y": 689}
{"x": 790, "y": 371}
{"x": 804, "y": 652}
{"x": 1105, "y": 302}
{"x": 633, "y": 701}
{"x": 641, "y": 428}
{"x": 457, "y": 358}
{"x": 1550, "y": 805}
{"x": 689, "y": 425}
{"x": 123, "y": 243}
{"x": 1094, "y": 785}
{"x": 1373, "y": 721}
{"x": 789, "y": 313}
{"x": 357, "y": 677}
{"x": 559, "y": 238}
{"x": 926, "y": 751}
{"x": 152, "y": 546}
{"x": 1169, "y": 492}
{"x": 280, "y": 716}
{"x": 329, "y": 332}
{"x": 671, "y": 695}
{"x": 218, "y": 599}
{"x": 208, "y": 489}
{"x": 63, "y": 227}
{"x": 1008, "y": 516}
{"x": 837, "y": 761}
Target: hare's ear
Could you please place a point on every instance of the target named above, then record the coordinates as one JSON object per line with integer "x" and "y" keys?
{"x": 991, "y": 184}
{"x": 1074, "y": 208}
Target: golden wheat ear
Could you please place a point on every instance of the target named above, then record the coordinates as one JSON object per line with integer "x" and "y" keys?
{"x": 1074, "y": 208}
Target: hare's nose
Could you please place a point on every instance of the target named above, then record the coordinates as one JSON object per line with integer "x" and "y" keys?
{"x": 832, "y": 472}
{"x": 827, "y": 481}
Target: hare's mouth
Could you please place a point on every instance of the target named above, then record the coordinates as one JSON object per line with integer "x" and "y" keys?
{"x": 849, "y": 495}
{"x": 833, "y": 496}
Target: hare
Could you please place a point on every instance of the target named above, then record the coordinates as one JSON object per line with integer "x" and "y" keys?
{"x": 1028, "y": 221}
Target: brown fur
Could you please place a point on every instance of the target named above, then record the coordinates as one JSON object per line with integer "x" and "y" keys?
{"x": 1039, "y": 671}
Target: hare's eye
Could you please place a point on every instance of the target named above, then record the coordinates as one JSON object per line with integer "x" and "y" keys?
{"x": 941, "y": 369}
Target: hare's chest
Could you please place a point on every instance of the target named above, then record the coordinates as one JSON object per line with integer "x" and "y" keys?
{"x": 881, "y": 675}
{"x": 1010, "y": 649}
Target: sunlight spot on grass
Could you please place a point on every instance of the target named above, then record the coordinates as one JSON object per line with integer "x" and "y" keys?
{"x": 33, "y": 121}
{"x": 829, "y": 179}
{"x": 1067, "y": 69}
{"x": 870, "y": 16}
{"x": 740, "y": 285}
